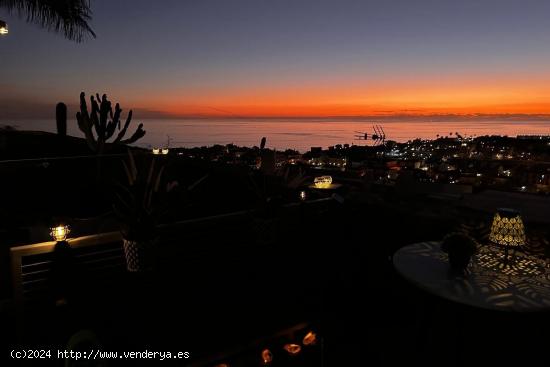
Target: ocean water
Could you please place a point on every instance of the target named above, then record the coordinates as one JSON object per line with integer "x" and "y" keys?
{"x": 300, "y": 134}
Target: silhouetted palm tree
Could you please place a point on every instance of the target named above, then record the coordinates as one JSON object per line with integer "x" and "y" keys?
{"x": 69, "y": 17}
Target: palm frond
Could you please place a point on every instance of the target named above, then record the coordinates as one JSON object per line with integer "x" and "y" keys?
{"x": 69, "y": 17}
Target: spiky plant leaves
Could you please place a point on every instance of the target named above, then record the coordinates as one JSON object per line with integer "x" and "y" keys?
{"x": 69, "y": 17}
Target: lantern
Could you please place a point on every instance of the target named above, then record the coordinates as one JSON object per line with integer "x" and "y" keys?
{"x": 267, "y": 356}
{"x": 322, "y": 182}
{"x": 60, "y": 232}
{"x": 507, "y": 228}
{"x": 292, "y": 349}
{"x": 3, "y": 28}
{"x": 310, "y": 338}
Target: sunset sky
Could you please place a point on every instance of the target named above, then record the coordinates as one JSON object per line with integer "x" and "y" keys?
{"x": 288, "y": 58}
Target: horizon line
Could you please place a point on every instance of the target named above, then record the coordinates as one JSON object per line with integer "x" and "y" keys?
{"x": 455, "y": 116}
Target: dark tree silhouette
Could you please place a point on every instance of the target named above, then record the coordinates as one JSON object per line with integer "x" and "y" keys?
{"x": 69, "y": 17}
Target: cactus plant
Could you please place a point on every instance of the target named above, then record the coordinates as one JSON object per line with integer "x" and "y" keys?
{"x": 103, "y": 122}
{"x": 136, "y": 207}
{"x": 61, "y": 118}
{"x": 139, "y": 205}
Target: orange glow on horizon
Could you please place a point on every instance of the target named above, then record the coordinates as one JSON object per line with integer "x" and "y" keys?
{"x": 461, "y": 96}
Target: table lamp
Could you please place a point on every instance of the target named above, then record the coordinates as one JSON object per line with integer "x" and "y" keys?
{"x": 507, "y": 229}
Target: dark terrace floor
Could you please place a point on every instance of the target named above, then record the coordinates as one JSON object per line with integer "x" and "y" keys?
{"x": 227, "y": 289}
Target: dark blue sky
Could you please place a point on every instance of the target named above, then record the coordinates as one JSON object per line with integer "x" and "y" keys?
{"x": 261, "y": 55}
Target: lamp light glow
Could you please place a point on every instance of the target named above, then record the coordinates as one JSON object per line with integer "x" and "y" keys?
{"x": 164, "y": 151}
{"x": 292, "y": 349}
{"x": 507, "y": 228}
{"x": 59, "y": 233}
{"x": 267, "y": 356}
{"x": 310, "y": 338}
{"x": 322, "y": 182}
{"x": 3, "y": 28}
{"x": 156, "y": 150}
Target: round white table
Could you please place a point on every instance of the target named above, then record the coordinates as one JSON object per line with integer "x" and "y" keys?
{"x": 520, "y": 284}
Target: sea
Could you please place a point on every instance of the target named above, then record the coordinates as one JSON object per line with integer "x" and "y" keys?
{"x": 300, "y": 134}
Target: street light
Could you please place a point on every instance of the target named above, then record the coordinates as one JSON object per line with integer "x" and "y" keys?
{"x": 3, "y": 28}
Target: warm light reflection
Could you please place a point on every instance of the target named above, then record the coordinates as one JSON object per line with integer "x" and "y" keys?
{"x": 310, "y": 338}
{"x": 267, "y": 356}
{"x": 60, "y": 232}
{"x": 322, "y": 182}
{"x": 292, "y": 348}
{"x": 3, "y": 28}
{"x": 303, "y": 195}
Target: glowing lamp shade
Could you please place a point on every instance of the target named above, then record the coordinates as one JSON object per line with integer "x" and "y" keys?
{"x": 164, "y": 151}
{"x": 156, "y": 151}
{"x": 322, "y": 181}
{"x": 507, "y": 228}
{"x": 267, "y": 356}
{"x": 292, "y": 349}
{"x": 310, "y": 338}
{"x": 59, "y": 233}
{"x": 3, "y": 28}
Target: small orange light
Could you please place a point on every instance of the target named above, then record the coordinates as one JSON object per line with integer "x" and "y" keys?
{"x": 267, "y": 356}
{"x": 292, "y": 348}
{"x": 310, "y": 338}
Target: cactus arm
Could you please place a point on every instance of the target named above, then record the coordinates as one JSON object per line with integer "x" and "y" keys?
{"x": 125, "y": 128}
{"x": 138, "y": 134}
{"x": 61, "y": 118}
{"x": 116, "y": 117}
{"x": 84, "y": 125}
{"x": 84, "y": 106}
{"x": 110, "y": 130}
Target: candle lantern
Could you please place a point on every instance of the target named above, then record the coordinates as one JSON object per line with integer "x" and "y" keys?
{"x": 59, "y": 233}
{"x": 322, "y": 182}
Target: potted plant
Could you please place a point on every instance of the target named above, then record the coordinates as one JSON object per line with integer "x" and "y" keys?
{"x": 138, "y": 206}
{"x": 460, "y": 248}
